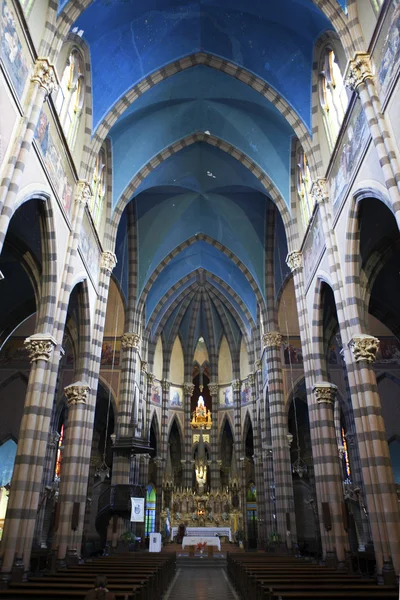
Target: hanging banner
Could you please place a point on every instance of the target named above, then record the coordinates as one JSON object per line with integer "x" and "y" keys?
{"x": 137, "y": 511}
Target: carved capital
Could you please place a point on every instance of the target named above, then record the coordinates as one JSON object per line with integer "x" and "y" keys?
{"x": 143, "y": 366}
{"x": 257, "y": 365}
{"x": 83, "y": 193}
{"x": 319, "y": 191}
{"x": 108, "y": 261}
{"x": 213, "y": 389}
{"x": 236, "y": 385}
{"x": 165, "y": 384}
{"x": 294, "y": 261}
{"x": 289, "y": 437}
{"x": 45, "y": 75}
{"x": 358, "y": 70}
{"x": 150, "y": 377}
{"x": 130, "y": 340}
{"x": 40, "y": 346}
{"x": 325, "y": 392}
{"x": 251, "y": 378}
{"x": 77, "y": 393}
{"x": 341, "y": 451}
{"x": 364, "y": 347}
{"x": 272, "y": 339}
{"x": 188, "y": 388}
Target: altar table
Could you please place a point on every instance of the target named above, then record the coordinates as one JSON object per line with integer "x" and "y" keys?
{"x": 204, "y": 532}
{"x": 193, "y": 540}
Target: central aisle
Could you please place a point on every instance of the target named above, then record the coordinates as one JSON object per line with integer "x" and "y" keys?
{"x": 200, "y": 584}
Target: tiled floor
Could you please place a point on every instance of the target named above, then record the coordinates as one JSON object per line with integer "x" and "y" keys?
{"x": 201, "y": 584}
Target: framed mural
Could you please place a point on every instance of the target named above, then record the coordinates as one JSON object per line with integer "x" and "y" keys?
{"x": 351, "y": 147}
{"x": 387, "y": 49}
{"x": 389, "y": 352}
{"x": 11, "y": 48}
{"x": 292, "y": 352}
{"x": 226, "y": 396}
{"x": 156, "y": 392}
{"x": 313, "y": 248}
{"x": 15, "y": 351}
{"x": 54, "y": 160}
{"x": 175, "y": 397}
{"x": 107, "y": 352}
{"x": 245, "y": 393}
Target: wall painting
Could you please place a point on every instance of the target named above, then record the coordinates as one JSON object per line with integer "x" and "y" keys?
{"x": 11, "y": 48}
{"x": 226, "y": 396}
{"x": 175, "y": 397}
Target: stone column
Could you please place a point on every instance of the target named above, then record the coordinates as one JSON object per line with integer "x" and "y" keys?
{"x": 285, "y": 515}
{"x": 188, "y": 389}
{"x": 29, "y": 461}
{"x": 360, "y": 78}
{"x": 328, "y": 471}
{"x": 74, "y": 473}
{"x": 214, "y": 468}
{"x": 236, "y": 386}
{"x": 43, "y": 83}
{"x": 165, "y": 385}
{"x": 150, "y": 380}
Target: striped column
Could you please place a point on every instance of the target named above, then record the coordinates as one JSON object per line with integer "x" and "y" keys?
{"x": 285, "y": 515}
{"x": 29, "y": 461}
{"x": 258, "y": 464}
{"x": 43, "y": 83}
{"x": 327, "y": 463}
{"x": 359, "y": 78}
{"x": 188, "y": 389}
{"x": 165, "y": 385}
{"x": 236, "y": 386}
{"x": 75, "y": 468}
{"x": 214, "y": 467}
{"x": 150, "y": 380}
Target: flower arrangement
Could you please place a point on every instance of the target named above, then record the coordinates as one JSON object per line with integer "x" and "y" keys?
{"x": 201, "y": 545}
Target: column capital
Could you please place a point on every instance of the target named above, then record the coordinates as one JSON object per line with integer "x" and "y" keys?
{"x": 40, "y": 346}
{"x": 213, "y": 389}
{"x": 294, "y": 260}
{"x": 188, "y": 388}
{"x": 77, "y": 393}
{"x": 272, "y": 339}
{"x": 130, "y": 340}
{"x": 319, "y": 191}
{"x": 143, "y": 366}
{"x": 358, "y": 70}
{"x": 236, "y": 385}
{"x": 289, "y": 437}
{"x": 83, "y": 192}
{"x": 150, "y": 377}
{"x": 325, "y": 392}
{"x": 251, "y": 378}
{"x": 45, "y": 74}
{"x": 108, "y": 261}
{"x": 364, "y": 347}
{"x": 257, "y": 365}
{"x": 165, "y": 384}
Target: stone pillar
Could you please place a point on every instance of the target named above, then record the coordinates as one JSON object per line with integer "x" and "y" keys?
{"x": 43, "y": 83}
{"x": 285, "y": 515}
{"x": 74, "y": 473}
{"x": 31, "y": 451}
{"x": 328, "y": 471}
{"x": 236, "y": 386}
{"x": 360, "y": 78}
{"x": 214, "y": 468}
{"x": 188, "y": 389}
{"x": 165, "y": 385}
{"x": 150, "y": 380}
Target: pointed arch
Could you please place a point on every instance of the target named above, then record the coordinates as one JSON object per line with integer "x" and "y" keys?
{"x": 153, "y": 422}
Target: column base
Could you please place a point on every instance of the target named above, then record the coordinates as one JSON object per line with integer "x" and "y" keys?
{"x": 18, "y": 573}
{"x": 331, "y": 560}
{"x": 388, "y": 573}
{"x": 72, "y": 557}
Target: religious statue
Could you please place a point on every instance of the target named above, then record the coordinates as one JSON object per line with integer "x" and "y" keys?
{"x": 201, "y": 417}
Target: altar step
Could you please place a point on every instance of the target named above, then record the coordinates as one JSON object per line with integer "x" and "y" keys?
{"x": 190, "y": 562}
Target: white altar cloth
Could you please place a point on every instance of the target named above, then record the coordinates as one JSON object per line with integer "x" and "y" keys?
{"x": 193, "y": 540}
{"x": 204, "y": 531}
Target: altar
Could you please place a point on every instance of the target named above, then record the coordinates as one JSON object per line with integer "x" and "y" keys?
{"x": 193, "y": 540}
{"x": 204, "y": 532}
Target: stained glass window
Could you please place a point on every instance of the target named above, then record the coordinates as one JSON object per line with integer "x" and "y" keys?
{"x": 98, "y": 187}
{"x": 60, "y": 446}
{"x": 333, "y": 95}
{"x": 150, "y": 520}
{"x": 346, "y": 462}
{"x": 303, "y": 177}
{"x": 70, "y": 96}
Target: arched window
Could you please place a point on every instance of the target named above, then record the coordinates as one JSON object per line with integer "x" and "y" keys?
{"x": 8, "y": 451}
{"x": 303, "y": 178}
{"x": 27, "y": 6}
{"x": 70, "y": 97}
{"x": 333, "y": 95}
{"x": 150, "y": 522}
{"x": 98, "y": 187}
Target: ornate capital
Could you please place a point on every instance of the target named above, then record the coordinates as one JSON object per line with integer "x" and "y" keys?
{"x": 83, "y": 193}
{"x": 150, "y": 377}
{"x": 341, "y": 451}
{"x": 143, "y": 366}
{"x": 364, "y": 347}
{"x": 272, "y": 339}
{"x": 165, "y": 384}
{"x": 251, "y": 378}
{"x": 257, "y": 365}
{"x": 108, "y": 261}
{"x": 358, "y": 70}
{"x": 188, "y": 388}
{"x": 40, "y": 346}
{"x": 213, "y": 389}
{"x": 236, "y": 385}
{"x": 130, "y": 340}
{"x": 325, "y": 392}
{"x": 77, "y": 393}
{"x": 45, "y": 75}
{"x": 289, "y": 437}
{"x": 294, "y": 260}
{"x": 319, "y": 191}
